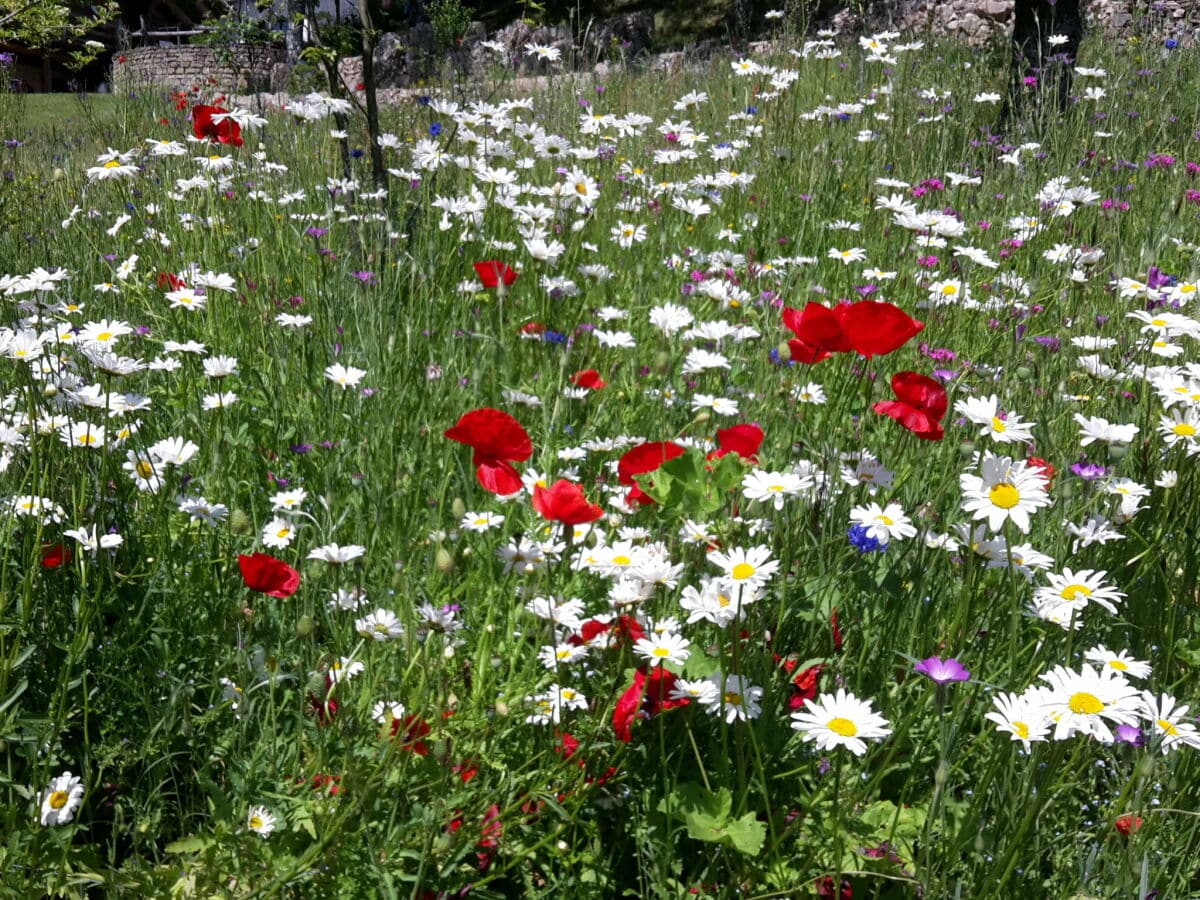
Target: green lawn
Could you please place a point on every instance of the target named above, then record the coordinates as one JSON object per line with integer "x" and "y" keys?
{"x": 46, "y": 114}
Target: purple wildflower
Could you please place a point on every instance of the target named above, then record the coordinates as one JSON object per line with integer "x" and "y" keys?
{"x": 942, "y": 671}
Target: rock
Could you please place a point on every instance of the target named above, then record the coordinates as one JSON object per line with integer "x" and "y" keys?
{"x": 996, "y": 9}
{"x": 622, "y": 37}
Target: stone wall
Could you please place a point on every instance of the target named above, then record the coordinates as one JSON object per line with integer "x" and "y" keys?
{"x": 978, "y": 21}
{"x": 186, "y": 66}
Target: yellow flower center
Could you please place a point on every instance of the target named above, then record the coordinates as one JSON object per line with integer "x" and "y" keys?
{"x": 1075, "y": 591}
{"x": 1022, "y": 730}
{"x": 1159, "y": 323}
{"x": 949, "y": 290}
{"x": 1166, "y": 727}
{"x": 86, "y": 440}
{"x": 563, "y": 654}
{"x": 841, "y": 726}
{"x": 256, "y": 822}
{"x": 733, "y": 698}
{"x": 742, "y": 571}
{"x": 998, "y": 425}
{"x": 1118, "y": 665}
{"x": 1183, "y": 429}
{"x": 144, "y": 469}
{"x": 661, "y": 652}
{"x": 1083, "y": 703}
{"x": 112, "y": 164}
{"x": 581, "y": 188}
{"x": 104, "y": 336}
{"x": 58, "y": 799}
{"x": 621, "y": 560}
{"x": 283, "y": 532}
{"x": 1004, "y": 495}
{"x": 886, "y": 520}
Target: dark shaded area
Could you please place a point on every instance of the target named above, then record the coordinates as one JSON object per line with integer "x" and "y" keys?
{"x": 1040, "y": 78}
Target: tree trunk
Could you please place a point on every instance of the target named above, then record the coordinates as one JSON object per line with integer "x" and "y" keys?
{"x": 369, "y": 39}
{"x": 1041, "y": 70}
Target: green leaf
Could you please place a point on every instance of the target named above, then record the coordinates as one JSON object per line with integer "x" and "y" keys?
{"x": 707, "y": 817}
{"x": 193, "y": 844}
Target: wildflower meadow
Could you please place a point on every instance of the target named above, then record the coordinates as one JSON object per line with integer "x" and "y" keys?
{"x": 770, "y": 479}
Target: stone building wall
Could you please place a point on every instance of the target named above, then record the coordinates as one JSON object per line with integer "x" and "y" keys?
{"x": 182, "y": 67}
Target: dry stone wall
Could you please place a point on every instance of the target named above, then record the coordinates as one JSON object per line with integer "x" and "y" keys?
{"x": 182, "y": 67}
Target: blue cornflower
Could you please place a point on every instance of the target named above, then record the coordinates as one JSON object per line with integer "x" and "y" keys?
{"x": 863, "y": 542}
{"x": 435, "y": 129}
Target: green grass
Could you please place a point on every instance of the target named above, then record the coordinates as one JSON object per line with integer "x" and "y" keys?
{"x": 54, "y": 115}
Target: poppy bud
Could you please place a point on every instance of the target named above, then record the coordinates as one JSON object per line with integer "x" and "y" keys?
{"x": 458, "y": 508}
{"x": 239, "y": 522}
{"x": 444, "y": 561}
{"x": 305, "y": 627}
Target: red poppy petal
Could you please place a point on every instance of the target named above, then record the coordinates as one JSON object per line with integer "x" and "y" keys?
{"x": 498, "y": 476}
{"x": 922, "y": 392}
{"x": 564, "y": 501}
{"x": 876, "y": 328}
{"x": 264, "y": 573}
{"x": 646, "y": 458}
{"x": 918, "y": 422}
{"x": 744, "y": 440}
{"x": 492, "y": 432}
{"x": 590, "y": 379}
{"x": 806, "y": 353}
{"x": 628, "y": 706}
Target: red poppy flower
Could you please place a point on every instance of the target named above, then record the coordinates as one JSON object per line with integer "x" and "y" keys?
{"x": 268, "y": 575}
{"x": 324, "y": 708}
{"x": 659, "y": 685}
{"x": 170, "y": 278}
{"x": 1128, "y": 824}
{"x": 868, "y": 327}
{"x": 628, "y": 707}
{"x": 410, "y": 730}
{"x": 819, "y": 333}
{"x": 55, "y": 555}
{"x": 625, "y": 629}
{"x": 920, "y": 405}
{"x": 1044, "y": 467}
{"x": 492, "y": 272}
{"x": 590, "y": 379}
{"x": 805, "y": 686}
{"x": 567, "y": 745}
{"x": 654, "y": 687}
{"x": 744, "y": 440}
{"x": 565, "y": 502}
{"x": 876, "y": 328}
{"x": 491, "y": 831}
{"x": 496, "y": 437}
{"x": 642, "y": 459}
{"x": 227, "y": 131}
